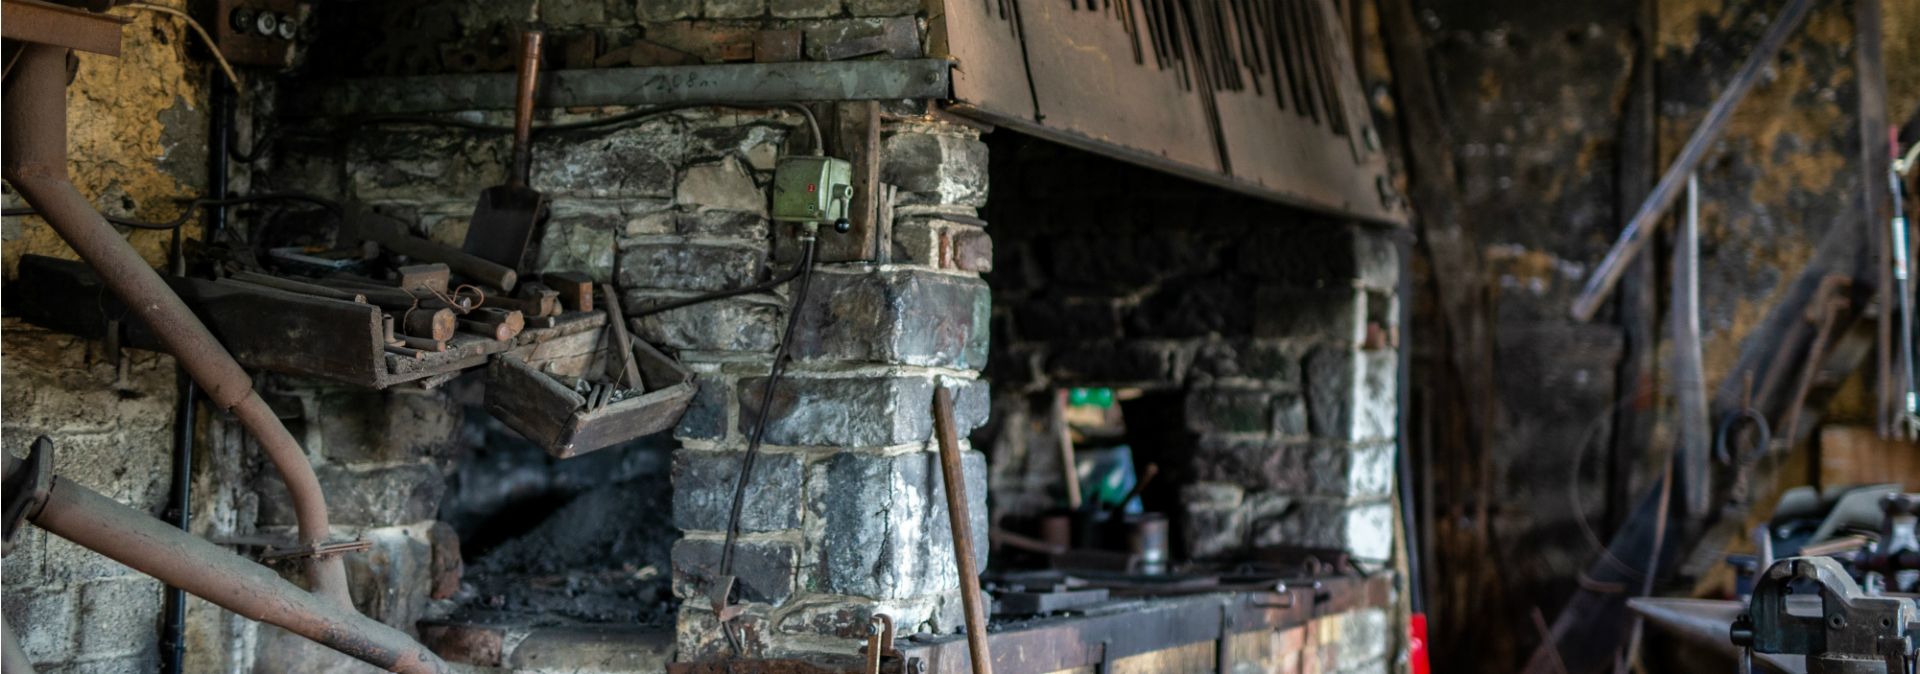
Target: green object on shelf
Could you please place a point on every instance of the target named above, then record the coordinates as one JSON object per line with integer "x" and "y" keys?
{"x": 1098, "y": 397}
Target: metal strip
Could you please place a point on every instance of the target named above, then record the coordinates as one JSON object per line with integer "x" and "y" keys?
{"x": 734, "y": 83}
{"x": 61, "y": 26}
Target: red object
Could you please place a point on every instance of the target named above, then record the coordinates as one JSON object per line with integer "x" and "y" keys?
{"x": 1417, "y": 643}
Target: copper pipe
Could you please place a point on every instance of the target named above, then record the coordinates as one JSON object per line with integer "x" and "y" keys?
{"x": 954, "y": 476}
{"x": 35, "y": 163}
{"x": 210, "y": 572}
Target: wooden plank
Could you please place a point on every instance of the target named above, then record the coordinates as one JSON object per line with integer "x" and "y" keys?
{"x": 1858, "y": 455}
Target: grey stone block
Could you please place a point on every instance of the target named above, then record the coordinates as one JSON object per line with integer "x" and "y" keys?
{"x": 1068, "y": 318}
{"x": 1322, "y": 254}
{"x": 742, "y": 225}
{"x": 1365, "y": 529}
{"x": 42, "y": 619}
{"x": 118, "y": 617}
{"x": 735, "y": 9}
{"x": 882, "y": 7}
{"x": 1333, "y": 392}
{"x": 746, "y": 323}
{"x": 416, "y": 163}
{"x": 906, "y": 317}
{"x": 1350, "y": 472}
{"x": 576, "y": 239}
{"x": 886, "y": 533}
{"x": 856, "y": 411}
{"x": 631, "y": 162}
{"x": 688, "y": 266}
{"x": 390, "y": 582}
{"x": 382, "y": 427}
{"x": 704, "y": 483}
{"x": 1336, "y": 315}
{"x": 795, "y": 9}
{"x": 1126, "y": 363}
{"x": 706, "y": 415}
{"x": 895, "y": 36}
{"x": 1255, "y": 464}
{"x": 1275, "y": 364}
{"x": 666, "y": 10}
{"x": 936, "y": 169}
{"x": 1229, "y": 411}
{"x": 377, "y": 497}
{"x": 764, "y": 570}
{"x": 725, "y": 185}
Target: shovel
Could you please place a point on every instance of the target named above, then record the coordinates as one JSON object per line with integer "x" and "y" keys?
{"x": 503, "y": 222}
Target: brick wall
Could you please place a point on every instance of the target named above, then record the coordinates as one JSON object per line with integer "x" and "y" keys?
{"x": 1262, "y": 336}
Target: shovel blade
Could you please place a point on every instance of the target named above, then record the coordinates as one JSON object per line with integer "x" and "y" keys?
{"x": 503, "y": 223}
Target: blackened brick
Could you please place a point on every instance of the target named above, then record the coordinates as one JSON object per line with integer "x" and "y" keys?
{"x": 764, "y": 571}
{"x": 887, "y": 533}
{"x": 907, "y": 317}
{"x": 703, "y": 488}
{"x": 856, "y": 411}
{"x": 688, "y": 266}
{"x": 706, "y": 415}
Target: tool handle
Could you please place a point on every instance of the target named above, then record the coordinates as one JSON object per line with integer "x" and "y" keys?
{"x": 953, "y": 476}
{"x": 523, "y": 108}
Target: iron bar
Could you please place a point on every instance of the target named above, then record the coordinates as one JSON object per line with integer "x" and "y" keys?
{"x": 953, "y": 474}
{"x": 1640, "y": 230}
{"x": 35, "y": 163}
{"x": 215, "y": 574}
{"x": 721, "y": 84}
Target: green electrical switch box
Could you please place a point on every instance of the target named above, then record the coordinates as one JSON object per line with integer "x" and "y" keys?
{"x": 812, "y": 189}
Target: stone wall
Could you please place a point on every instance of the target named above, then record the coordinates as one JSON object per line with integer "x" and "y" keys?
{"x": 845, "y": 515}
{"x": 1263, "y": 337}
{"x": 137, "y": 126}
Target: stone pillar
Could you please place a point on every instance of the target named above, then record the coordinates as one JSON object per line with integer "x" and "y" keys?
{"x": 844, "y": 515}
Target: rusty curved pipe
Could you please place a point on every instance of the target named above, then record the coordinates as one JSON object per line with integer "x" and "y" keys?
{"x": 180, "y": 559}
{"x": 34, "y": 161}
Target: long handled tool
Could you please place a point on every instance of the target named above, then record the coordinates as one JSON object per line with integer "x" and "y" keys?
{"x": 961, "y": 524}
{"x": 503, "y": 221}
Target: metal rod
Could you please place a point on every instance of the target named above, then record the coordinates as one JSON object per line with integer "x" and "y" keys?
{"x": 523, "y": 108}
{"x": 35, "y": 163}
{"x": 958, "y": 520}
{"x": 1640, "y": 231}
{"x": 1689, "y": 376}
{"x": 210, "y": 572}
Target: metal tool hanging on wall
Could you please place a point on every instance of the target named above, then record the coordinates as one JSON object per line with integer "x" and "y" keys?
{"x": 504, "y": 220}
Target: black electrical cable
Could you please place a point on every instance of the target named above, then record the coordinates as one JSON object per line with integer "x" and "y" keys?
{"x": 779, "y": 368}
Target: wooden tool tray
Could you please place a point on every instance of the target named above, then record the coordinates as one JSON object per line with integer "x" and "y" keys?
{"x": 524, "y": 393}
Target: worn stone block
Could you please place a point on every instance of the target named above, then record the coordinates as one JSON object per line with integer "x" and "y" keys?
{"x": 377, "y": 497}
{"x": 886, "y": 532}
{"x": 882, "y": 7}
{"x": 1068, "y": 318}
{"x": 1255, "y": 464}
{"x": 798, "y": 9}
{"x": 906, "y": 317}
{"x": 972, "y": 249}
{"x": 688, "y": 266}
{"x": 764, "y": 569}
{"x": 745, "y": 323}
{"x": 1229, "y": 411}
{"x": 666, "y": 10}
{"x": 414, "y": 163}
{"x": 741, "y": 225}
{"x": 1127, "y": 363}
{"x": 1217, "y": 519}
{"x": 1349, "y": 472}
{"x": 1272, "y": 363}
{"x": 579, "y": 238}
{"x": 725, "y": 185}
{"x": 856, "y": 411}
{"x": 1333, "y": 391}
{"x": 735, "y": 9}
{"x": 630, "y": 162}
{"x": 758, "y": 141}
{"x": 382, "y": 427}
{"x": 1365, "y": 530}
{"x": 697, "y": 634}
{"x": 706, "y": 415}
{"x": 1336, "y": 315}
{"x": 935, "y": 169}
{"x": 42, "y": 619}
{"x": 1323, "y": 254}
{"x": 1290, "y": 415}
{"x": 391, "y": 581}
{"x": 703, "y": 488}
{"x": 118, "y": 617}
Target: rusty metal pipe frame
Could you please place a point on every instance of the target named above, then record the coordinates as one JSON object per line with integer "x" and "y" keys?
{"x": 34, "y": 124}
{"x": 210, "y": 572}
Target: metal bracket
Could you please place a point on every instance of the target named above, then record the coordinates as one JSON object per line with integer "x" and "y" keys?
{"x": 26, "y": 484}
